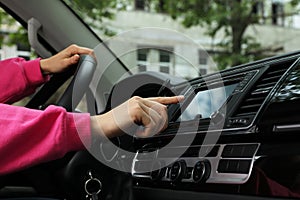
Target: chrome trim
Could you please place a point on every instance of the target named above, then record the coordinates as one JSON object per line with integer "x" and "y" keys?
{"x": 287, "y": 127}
{"x": 215, "y": 176}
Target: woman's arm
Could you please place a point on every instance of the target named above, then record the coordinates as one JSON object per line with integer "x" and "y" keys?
{"x": 29, "y": 137}
{"x": 19, "y": 78}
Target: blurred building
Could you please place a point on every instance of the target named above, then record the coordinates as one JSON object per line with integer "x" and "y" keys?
{"x": 186, "y": 52}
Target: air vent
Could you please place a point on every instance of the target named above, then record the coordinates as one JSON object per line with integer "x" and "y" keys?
{"x": 261, "y": 90}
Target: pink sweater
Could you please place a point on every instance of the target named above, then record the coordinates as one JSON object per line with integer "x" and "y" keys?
{"x": 29, "y": 137}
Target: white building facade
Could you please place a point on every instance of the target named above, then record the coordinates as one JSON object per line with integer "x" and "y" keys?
{"x": 166, "y": 46}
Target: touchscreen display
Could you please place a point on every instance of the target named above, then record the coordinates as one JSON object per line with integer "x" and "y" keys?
{"x": 205, "y": 103}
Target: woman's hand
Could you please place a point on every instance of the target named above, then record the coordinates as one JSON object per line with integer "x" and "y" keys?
{"x": 63, "y": 59}
{"x": 138, "y": 116}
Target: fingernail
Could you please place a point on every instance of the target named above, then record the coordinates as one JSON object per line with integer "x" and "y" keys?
{"x": 180, "y": 97}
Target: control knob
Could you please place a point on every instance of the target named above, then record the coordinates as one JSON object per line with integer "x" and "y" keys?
{"x": 178, "y": 171}
{"x": 201, "y": 171}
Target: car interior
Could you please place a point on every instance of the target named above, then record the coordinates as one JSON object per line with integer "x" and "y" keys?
{"x": 242, "y": 145}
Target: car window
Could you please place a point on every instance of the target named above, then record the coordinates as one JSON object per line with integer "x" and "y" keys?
{"x": 192, "y": 38}
{"x": 13, "y": 39}
{"x": 143, "y": 47}
{"x": 14, "y": 43}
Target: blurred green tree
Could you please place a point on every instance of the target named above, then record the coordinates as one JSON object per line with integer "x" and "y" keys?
{"x": 94, "y": 12}
{"x": 232, "y": 17}
{"x": 16, "y": 34}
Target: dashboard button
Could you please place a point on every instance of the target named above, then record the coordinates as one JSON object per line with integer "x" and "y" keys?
{"x": 178, "y": 171}
{"x": 201, "y": 171}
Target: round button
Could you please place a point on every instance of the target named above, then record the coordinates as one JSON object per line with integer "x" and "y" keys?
{"x": 201, "y": 171}
{"x": 178, "y": 171}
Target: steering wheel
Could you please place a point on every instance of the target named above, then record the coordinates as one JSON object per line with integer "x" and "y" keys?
{"x": 82, "y": 163}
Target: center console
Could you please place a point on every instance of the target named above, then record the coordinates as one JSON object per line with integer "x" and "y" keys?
{"x": 221, "y": 132}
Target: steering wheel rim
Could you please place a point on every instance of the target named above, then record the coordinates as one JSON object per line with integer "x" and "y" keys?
{"x": 79, "y": 83}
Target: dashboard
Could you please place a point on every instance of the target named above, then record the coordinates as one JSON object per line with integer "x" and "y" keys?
{"x": 231, "y": 126}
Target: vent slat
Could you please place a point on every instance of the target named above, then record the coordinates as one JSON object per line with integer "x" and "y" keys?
{"x": 278, "y": 71}
{"x": 273, "y": 78}
{"x": 250, "y": 106}
{"x": 266, "y": 85}
{"x": 263, "y": 91}
{"x": 245, "y": 114}
{"x": 253, "y": 100}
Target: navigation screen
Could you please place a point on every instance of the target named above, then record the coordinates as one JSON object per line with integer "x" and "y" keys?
{"x": 205, "y": 103}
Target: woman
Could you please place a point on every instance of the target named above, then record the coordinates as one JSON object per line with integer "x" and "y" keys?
{"x": 29, "y": 137}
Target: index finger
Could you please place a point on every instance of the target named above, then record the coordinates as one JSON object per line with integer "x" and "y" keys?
{"x": 167, "y": 100}
{"x": 74, "y": 49}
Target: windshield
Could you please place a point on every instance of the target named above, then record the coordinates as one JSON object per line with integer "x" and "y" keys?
{"x": 192, "y": 38}
{"x": 141, "y": 43}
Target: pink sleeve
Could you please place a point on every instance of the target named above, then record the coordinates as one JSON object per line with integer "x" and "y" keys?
{"x": 19, "y": 78}
{"x": 29, "y": 137}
